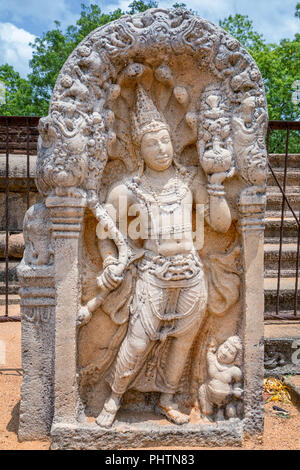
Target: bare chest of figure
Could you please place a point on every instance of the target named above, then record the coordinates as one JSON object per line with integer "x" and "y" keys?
{"x": 169, "y": 211}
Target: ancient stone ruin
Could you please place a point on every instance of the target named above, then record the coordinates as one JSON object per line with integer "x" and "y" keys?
{"x": 142, "y": 277}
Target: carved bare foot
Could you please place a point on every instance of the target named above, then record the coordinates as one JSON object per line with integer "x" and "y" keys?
{"x": 220, "y": 415}
{"x": 206, "y": 419}
{"x": 109, "y": 411}
{"x": 169, "y": 409}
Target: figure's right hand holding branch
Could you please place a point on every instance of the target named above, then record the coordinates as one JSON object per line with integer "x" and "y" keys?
{"x": 111, "y": 277}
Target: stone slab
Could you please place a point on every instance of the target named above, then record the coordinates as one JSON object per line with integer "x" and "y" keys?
{"x": 145, "y": 434}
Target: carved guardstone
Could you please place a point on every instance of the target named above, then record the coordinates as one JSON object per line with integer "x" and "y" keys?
{"x": 142, "y": 278}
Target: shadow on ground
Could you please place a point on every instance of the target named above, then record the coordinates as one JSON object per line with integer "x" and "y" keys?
{"x": 13, "y": 424}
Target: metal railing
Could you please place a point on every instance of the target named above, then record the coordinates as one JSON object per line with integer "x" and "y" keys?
{"x": 18, "y": 135}
{"x": 286, "y": 206}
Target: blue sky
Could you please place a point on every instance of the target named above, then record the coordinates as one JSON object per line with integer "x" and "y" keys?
{"x": 22, "y": 20}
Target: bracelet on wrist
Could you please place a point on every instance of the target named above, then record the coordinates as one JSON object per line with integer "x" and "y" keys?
{"x": 215, "y": 189}
{"x": 109, "y": 260}
{"x": 215, "y": 193}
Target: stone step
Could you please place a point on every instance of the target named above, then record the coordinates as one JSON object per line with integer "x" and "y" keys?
{"x": 275, "y": 240}
{"x": 292, "y": 176}
{"x": 13, "y": 288}
{"x": 289, "y": 314}
{"x": 290, "y": 229}
{"x": 17, "y": 172}
{"x": 283, "y": 273}
{"x": 276, "y": 214}
{"x": 277, "y": 160}
{"x": 286, "y": 294}
{"x": 292, "y": 188}
{"x": 16, "y": 245}
{"x": 12, "y": 271}
{"x": 274, "y": 199}
{"x": 288, "y": 259}
{"x": 13, "y": 299}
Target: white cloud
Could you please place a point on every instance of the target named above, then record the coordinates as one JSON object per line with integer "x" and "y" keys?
{"x": 39, "y": 14}
{"x": 22, "y": 19}
{"x": 14, "y": 47}
{"x": 274, "y": 19}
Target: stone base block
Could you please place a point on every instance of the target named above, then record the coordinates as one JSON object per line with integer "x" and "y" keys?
{"x": 145, "y": 433}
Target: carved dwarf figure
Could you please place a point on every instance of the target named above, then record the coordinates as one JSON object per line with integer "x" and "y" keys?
{"x": 223, "y": 387}
{"x": 170, "y": 295}
{"x": 37, "y": 236}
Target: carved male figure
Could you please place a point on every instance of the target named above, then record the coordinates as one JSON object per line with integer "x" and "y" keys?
{"x": 170, "y": 295}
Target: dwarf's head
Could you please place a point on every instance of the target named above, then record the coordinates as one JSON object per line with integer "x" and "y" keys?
{"x": 228, "y": 350}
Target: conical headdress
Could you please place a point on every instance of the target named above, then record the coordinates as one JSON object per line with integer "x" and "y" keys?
{"x": 146, "y": 117}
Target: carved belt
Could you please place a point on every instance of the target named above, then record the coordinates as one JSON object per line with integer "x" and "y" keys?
{"x": 171, "y": 268}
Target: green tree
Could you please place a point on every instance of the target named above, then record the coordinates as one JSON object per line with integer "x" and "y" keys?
{"x": 52, "y": 49}
{"x": 138, "y": 6}
{"x": 278, "y": 63}
{"x": 17, "y": 95}
{"x": 279, "y": 66}
{"x": 241, "y": 27}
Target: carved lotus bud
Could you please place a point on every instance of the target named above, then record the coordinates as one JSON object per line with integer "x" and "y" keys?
{"x": 181, "y": 95}
{"x": 135, "y": 70}
{"x": 164, "y": 75}
{"x": 113, "y": 92}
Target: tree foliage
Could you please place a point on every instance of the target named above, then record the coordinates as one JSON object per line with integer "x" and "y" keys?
{"x": 278, "y": 63}
{"x": 17, "y": 94}
{"x": 279, "y": 66}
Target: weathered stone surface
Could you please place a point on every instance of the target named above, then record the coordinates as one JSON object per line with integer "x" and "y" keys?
{"x": 131, "y": 434}
{"x": 37, "y": 293}
{"x": 159, "y": 118}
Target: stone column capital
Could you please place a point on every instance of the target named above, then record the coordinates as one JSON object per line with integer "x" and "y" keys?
{"x": 252, "y": 209}
{"x": 66, "y": 215}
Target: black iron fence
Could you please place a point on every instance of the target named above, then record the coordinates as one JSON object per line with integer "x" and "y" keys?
{"x": 18, "y": 136}
{"x": 18, "y": 139}
{"x": 289, "y": 220}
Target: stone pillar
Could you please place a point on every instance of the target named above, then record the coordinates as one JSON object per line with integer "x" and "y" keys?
{"x": 66, "y": 215}
{"x": 252, "y": 208}
{"x": 37, "y": 296}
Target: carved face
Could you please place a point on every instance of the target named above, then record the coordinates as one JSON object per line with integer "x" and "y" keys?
{"x": 157, "y": 150}
{"x": 226, "y": 353}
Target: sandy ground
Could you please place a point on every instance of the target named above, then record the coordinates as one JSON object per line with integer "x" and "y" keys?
{"x": 281, "y": 433}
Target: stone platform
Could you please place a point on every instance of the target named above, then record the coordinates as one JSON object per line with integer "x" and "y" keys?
{"x": 144, "y": 432}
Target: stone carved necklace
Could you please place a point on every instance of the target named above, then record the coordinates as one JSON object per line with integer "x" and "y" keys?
{"x": 148, "y": 196}
{"x": 169, "y": 200}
